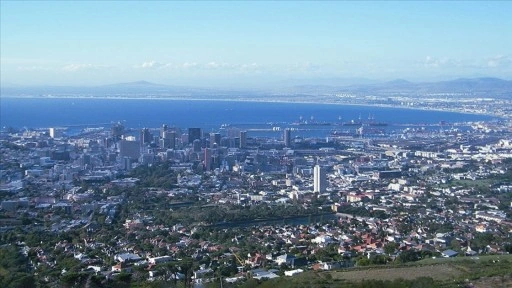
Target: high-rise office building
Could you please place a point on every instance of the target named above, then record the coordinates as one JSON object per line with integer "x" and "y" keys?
{"x": 232, "y": 132}
{"x": 163, "y": 130}
{"x": 177, "y": 137}
{"x": 214, "y": 139}
{"x": 169, "y": 138}
{"x": 227, "y": 142}
{"x": 207, "y": 159}
{"x": 129, "y": 149}
{"x": 196, "y": 144}
{"x": 55, "y": 133}
{"x": 319, "y": 180}
{"x": 243, "y": 139}
{"x": 287, "y": 137}
{"x": 117, "y": 131}
{"x": 164, "y": 143}
{"x": 126, "y": 163}
{"x": 145, "y": 136}
{"x": 193, "y": 134}
{"x": 184, "y": 139}
{"x": 107, "y": 142}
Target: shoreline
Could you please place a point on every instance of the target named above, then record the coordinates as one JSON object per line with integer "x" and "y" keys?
{"x": 283, "y": 101}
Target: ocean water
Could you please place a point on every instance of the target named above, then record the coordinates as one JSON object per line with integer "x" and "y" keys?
{"x": 208, "y": 115}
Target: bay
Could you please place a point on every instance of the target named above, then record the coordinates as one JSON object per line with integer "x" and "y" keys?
{"x": 206, "y": 114}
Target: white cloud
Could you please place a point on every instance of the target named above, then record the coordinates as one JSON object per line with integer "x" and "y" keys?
{"x": 65, "y": 68}
{"x": 189, "y": 65}
{"x": 499, "y": 61}
{"x": 215, "y": 65}
{"x": 305, "y": 67}
{"x": 34, "y": 68}
{"x": 81, "y": 67}
{"x": 252, "y": 66}
{"x": 193, "y": 65}
{"x": 223, "y": 65}
{"x": 432, "y": 62}
{"x": 153, "y": 65}
{"x": 229, "y": 66}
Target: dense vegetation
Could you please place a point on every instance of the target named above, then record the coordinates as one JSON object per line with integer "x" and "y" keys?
{"x": 13, "y": 268}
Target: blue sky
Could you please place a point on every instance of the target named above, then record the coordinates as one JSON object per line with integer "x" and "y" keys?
{"x": 251, "y": 43}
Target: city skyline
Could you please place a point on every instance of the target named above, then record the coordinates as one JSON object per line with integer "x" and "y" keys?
{"x": 251, "y": 44}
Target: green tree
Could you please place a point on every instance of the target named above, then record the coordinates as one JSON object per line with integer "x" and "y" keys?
{"x": 408, "y": 256}
{"x": 390, "y": 247}
{"x": 455, "y": 245}
{"x": 13, "y": 268}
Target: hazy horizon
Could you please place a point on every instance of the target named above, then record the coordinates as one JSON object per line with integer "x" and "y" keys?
{"x": 285, "y": 83}
{"x": 251, "y": 44}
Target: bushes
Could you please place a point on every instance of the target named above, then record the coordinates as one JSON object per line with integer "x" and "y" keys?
{"x": 409, "y": 256}
{"x": 13, "y": 269}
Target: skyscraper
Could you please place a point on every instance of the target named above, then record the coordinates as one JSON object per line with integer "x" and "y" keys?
{"x": 55, "y": 133}
{"x": 319, "y": 180}
{"x": 126, "y": 163}
{"x": 129, "y": 149}
{"x": 207, "y": 159}
{"x": 193, "y": 134}
{"x": 117, "y": 131}
{"x": 169, "y": 138}
{"x": 145, "y": 136}
{"x": 196, "y": 144}
{"x": 243, "y": 139}
{"x": 214, "y": 139}
{"x": 164, "y": 143}
{"x": 164, "y": 129}
{"x": 287, "y": 137}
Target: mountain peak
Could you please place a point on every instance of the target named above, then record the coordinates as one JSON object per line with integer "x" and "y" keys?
{"x": 141, "y": 82}
{"x": 399, "y": 82}
{"x": 135, "y": 83}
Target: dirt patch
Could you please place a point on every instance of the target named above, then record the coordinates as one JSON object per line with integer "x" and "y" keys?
{"x": 495, "y": 282}
{"x": 436, "y": 272}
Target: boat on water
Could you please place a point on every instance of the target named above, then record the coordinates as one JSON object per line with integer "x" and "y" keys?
{"x": 371, "y": 122}
{"x": 311, "y": 122}
{"x": 352, "y": 123}
{"x": 337, "y": 133}
{"x": 377, "y": 124}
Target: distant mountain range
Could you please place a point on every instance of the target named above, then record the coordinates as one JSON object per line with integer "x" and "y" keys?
{"x": 129, "y": 89}
{"x": 489, "y": 87}
{"x": 481, "y": 87}
{"x": 474, "y": 86}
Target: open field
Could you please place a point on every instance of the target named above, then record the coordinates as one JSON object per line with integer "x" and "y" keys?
{"x": 495, "y": 282}
{"x": 441, "y": 272}
{"x": 477, "y": 259}
{"x": 481, "y": 271}
{"x": 468, "y": 272}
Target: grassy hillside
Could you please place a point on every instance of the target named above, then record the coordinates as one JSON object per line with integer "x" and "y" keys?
{"x": 482, "y": 271}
